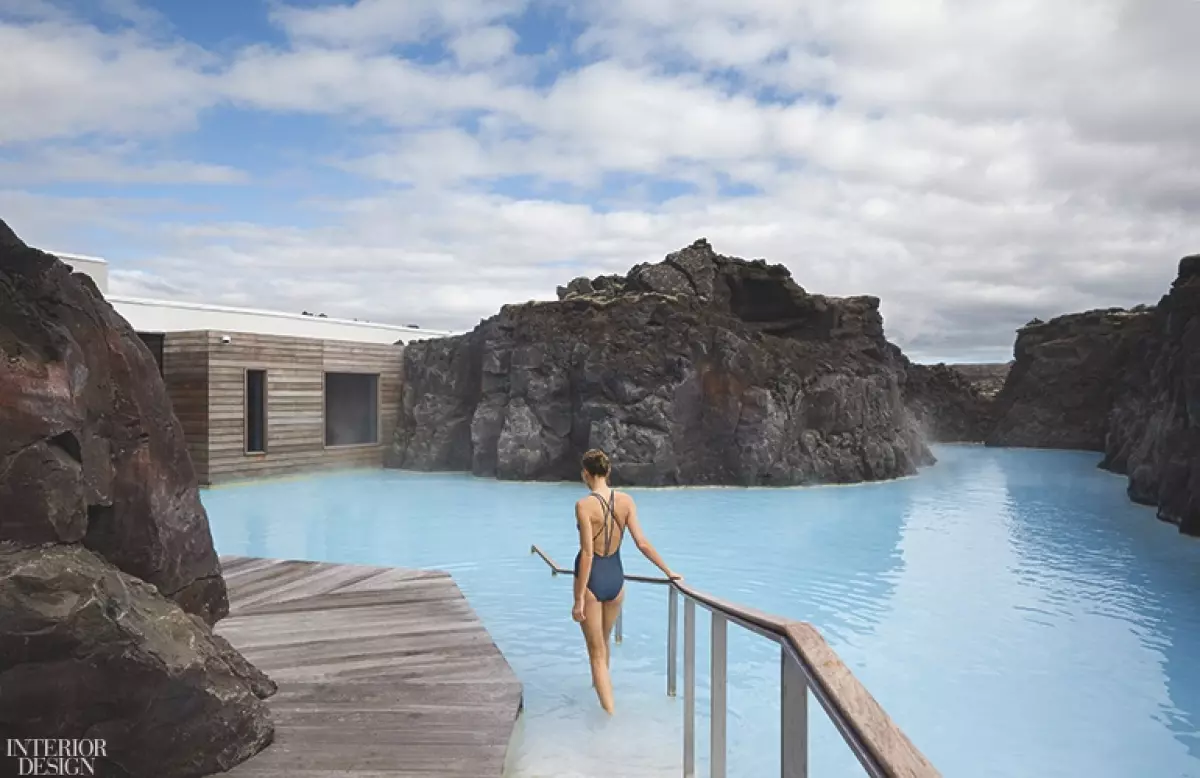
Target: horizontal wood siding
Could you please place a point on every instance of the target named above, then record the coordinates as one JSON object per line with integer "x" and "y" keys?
{"x": 185, "y": 373}
{"x": 387, "y": 361}
{"x": 296, "y": 370}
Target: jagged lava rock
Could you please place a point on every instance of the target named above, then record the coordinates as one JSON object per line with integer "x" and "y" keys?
{"x": 986, "y": 377}
{"x": 1064, "y": 378}
{"x": 87, "y": 651}
{"x": 951, "y": 405}
{"x": 90, "y": 449}
{"x": 1154, "y": 424}
{"x": 701, "y": 369}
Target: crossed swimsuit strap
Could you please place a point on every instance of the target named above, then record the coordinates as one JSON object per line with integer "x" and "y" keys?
{"x": 609, "y": 519}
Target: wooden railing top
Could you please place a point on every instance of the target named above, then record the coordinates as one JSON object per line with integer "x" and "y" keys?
{"x": 882, "y": 746}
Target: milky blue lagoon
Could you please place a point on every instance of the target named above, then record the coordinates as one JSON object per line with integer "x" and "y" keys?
{"x": 1011, "y": 609}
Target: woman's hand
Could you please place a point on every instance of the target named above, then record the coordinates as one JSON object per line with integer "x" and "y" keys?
{"x": 674, "y": 576}
{"x": 577, "y": 611}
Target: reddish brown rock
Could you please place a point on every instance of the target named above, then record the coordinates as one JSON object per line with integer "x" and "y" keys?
{"x": 90, "y": 449}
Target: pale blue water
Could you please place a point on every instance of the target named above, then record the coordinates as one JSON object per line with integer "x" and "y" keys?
{"x": 1011, "y": 610}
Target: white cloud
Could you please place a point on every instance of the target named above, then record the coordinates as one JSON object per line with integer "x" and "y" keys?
{"x": 483, "y": 45}
{"x": 57, "y": 223}
{"x": 111, "y": 165}
{"x": 972, "y": 163}
{"x": 73, "y": 79}
{"x": 337, "y": 81}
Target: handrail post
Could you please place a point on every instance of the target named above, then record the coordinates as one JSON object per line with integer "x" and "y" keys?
{"x": 793, "y": 718}
{"x": 672, "y": 638}
{"x": 717, "y": 696}
{"x": 619, "y": 633}
{"x": 689, "y": 688}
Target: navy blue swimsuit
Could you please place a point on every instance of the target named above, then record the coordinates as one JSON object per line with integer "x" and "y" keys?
{"x": 607, "y": 576}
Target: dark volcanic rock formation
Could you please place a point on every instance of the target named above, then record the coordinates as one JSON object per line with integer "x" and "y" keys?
{"x": 1064, "y": 379}
{"x": 90, "y": 449}
{"x": 948, "y": 405}
{"x": 1124, "y": 382}
{"x": 88, "y": 651}
{"x": 701, "y": 369}
{"x": 108, "y": 577}
{"x": 1154, "y": 425}
{"x": 987, "y": 377}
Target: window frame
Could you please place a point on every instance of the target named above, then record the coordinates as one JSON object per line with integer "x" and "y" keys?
{"x": 246, "y": 450}
{"x": 325, "y": 409}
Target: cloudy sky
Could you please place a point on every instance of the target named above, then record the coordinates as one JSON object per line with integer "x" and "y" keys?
{"x": 974, "y": 163}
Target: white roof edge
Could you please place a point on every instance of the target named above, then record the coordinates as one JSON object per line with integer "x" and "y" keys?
{"x": 274, "y": 314}
{"x": 65, "y": 255}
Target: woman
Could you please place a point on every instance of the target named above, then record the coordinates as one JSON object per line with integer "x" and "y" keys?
{"x": 599, "y": 578}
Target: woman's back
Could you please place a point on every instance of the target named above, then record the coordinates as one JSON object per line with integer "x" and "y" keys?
{"x": 608, "y": 515}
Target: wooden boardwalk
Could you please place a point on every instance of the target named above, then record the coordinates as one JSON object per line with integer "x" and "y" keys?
{"x": 382, "y": 671}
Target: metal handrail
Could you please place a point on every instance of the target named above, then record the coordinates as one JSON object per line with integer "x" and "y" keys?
{"x": 556, "y": 570}
{"x": 807, "y": 663}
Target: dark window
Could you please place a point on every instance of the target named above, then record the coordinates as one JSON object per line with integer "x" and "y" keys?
{"x": 351, "y": 409}
{"x": 256, "y": 411}
{"x": 154, "y": 342}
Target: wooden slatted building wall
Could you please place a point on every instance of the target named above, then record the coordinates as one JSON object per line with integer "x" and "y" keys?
{"x": 206, "y": 379}
{"x": 185, "y": 373}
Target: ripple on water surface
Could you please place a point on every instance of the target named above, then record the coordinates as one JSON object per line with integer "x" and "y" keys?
{"x": 1010, "y": 609}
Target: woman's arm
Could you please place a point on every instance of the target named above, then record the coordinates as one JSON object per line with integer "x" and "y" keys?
{"x": 643, "y": 543}
{"x": 585, "y": 560}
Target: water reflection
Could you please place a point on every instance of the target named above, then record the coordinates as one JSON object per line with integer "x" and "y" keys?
{"x": 1093, "y": 556}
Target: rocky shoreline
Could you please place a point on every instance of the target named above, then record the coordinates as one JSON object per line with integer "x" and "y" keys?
{"x": 700, "y": 369}
{"x": 1125, "y": 383}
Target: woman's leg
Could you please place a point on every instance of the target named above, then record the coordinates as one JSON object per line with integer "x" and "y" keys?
{"x": 593, "y": 635}
{"x": 612, "y": 610}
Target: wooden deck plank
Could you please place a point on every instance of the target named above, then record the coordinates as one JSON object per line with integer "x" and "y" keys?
{"x": 239, "y": 566}
{"x": 391, "y": 578}
{"x": 382, "y": 672}
{"x": 321, "y": 581}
